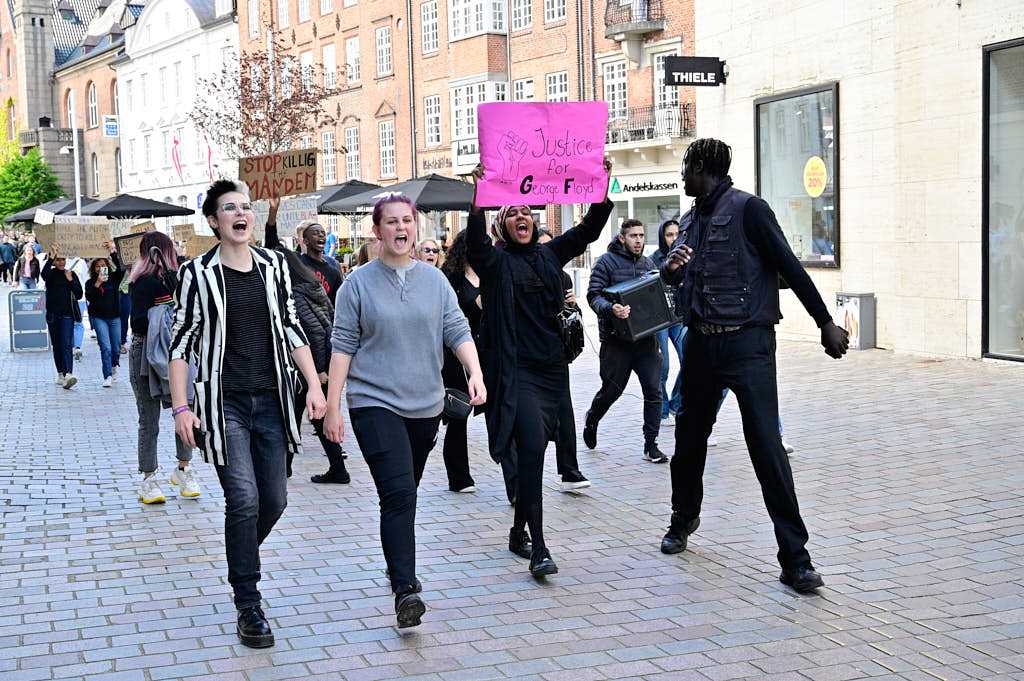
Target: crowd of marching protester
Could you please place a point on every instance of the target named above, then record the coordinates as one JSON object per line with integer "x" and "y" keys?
{"x": 242, "y": 341}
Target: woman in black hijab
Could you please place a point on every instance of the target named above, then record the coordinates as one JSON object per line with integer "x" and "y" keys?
{"x": 524, "y": 366}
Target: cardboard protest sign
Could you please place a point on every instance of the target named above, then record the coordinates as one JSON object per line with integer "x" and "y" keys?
{"x": 198, "y": 245}
{"x": 128, "y": 248}
{"x": 282, "y": 174}
{"x": 183, "y": 232}
{"x": 124, "y": 227}
{"x": 541, "y": 153}
{"x": 85, "y": 240}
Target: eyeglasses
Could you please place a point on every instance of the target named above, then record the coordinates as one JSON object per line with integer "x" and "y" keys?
{"x": 431, "y": 250}
{"x": 236, "y": 207}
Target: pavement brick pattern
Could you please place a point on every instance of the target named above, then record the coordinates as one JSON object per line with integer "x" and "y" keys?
{"x": 910, "y": 473}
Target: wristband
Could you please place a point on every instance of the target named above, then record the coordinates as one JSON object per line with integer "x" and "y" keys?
{"x": 179, "y": 410}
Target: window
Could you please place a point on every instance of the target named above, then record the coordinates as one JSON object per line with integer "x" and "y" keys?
{"x": 129, "y": 94}
{"x": 286, "y": 87}
{"x": 282, "y": 13}
{"x": 796, "y": 172}
{"x": 163, "y": 84}
{"x": 352, "y": 156}
{"x": 554, "y": 10}
{"x": 144, "y": 89}
{"x": 473, "y": 17}
{"x": 557, "y": 86}
{"x": 352, "y": 60}
{"x": 115, "y": 107}
{"x": 131, "y": 156}
{"x": 165, "y": 149}
{"x": 306, "y": 71}
{"x": 177, "y": 80}
{"x": 117, "y": 171}
{"x": 330, "y": 166}
{"x": 386, "y": 136}
{"x": 147, "y": 152}
{"x": 12, "y": 121}
{"x": 464, "y": 101}
{"x": 1003, "y": 202}
{"x": 428, "y": 16}
{"x": 665, "y": 96}
{"x": 432, "y": 119}
{"x": 93, "y": 106}
{"x": 383, "y": 51}
{"x": 10, "y": 69}
{"x": 94, "y": 166}
{"x": 522, "y": 90}
{"x": 254, "y": 19}
{"x": 196, "y": 71}
{"x": 326, "y": 7}
{"x": 303, "y": 10}
{"x": 522, "y": 14}
{"x": 69, "y": 100}
{"x": 615, "y": 88}
{"x": 330, "y": 66}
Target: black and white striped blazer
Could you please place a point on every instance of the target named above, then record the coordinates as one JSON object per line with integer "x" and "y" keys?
{"x": 200, "y": 326}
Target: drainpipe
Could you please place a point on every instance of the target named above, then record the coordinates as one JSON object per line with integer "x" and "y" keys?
{"x": 508, "y": 48}
{"x": 580, "y": 59}
{"x": 593, "y": 48}
{"x": 412, "y": 90}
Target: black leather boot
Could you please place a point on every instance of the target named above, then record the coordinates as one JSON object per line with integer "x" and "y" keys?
{"x": 678, "y": 530}
{"x": 253, "y": 628}
{"x": 519, "y": 543}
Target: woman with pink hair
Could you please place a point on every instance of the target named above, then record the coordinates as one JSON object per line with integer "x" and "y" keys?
{"x": 153, "y": 279}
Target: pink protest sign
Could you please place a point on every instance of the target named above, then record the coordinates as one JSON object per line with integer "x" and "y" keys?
{"x": 542, "y": 153}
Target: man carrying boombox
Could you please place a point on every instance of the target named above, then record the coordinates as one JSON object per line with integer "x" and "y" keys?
{"x": 726, "y": 265}
{"x": 625, "y": 260}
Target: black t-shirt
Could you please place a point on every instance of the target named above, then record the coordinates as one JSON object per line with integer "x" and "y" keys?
{"x": 248, "y": 345}
{"x": 326, "y": 273}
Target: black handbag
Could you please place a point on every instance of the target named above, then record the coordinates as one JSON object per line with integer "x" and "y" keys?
{"x": 570, "y": 324}
{"x": 456, "y": 405}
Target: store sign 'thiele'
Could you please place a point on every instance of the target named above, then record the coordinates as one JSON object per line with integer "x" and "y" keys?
{"x": 694, "y": 71}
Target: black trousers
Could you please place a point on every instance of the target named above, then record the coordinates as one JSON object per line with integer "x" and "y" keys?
{"x": 565, "y": 449}
{"x": 335, "y": 454}
{"x": 744, "y": 362}
{"x": 456, "y": 455}
{"x": 618, "y": 359}
{"x": 395, "y": 449}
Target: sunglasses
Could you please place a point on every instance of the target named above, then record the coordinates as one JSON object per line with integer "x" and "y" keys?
{"x": 431, "y": 250}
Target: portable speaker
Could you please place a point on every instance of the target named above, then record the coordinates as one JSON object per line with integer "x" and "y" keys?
{"x": 649, "y": 309}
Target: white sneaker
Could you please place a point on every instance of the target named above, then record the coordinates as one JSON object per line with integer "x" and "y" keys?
{"x": 78, "y": 353}
{"x": 186, "y": 481}
{"x": 149, "y": 490}
{"x": 712, "y": 441}
{"x": 466, "y": 490}
{"x": 788, "y": 447}
{"x": 69, "y": 381}
{"x": 108, "y": 382}
{"x": 113, "y": 371}
{"x": 58, "y": 379}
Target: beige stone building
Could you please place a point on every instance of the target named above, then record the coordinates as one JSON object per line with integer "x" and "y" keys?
{"x": 889, "y": 138}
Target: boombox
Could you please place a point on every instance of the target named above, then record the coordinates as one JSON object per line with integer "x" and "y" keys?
{"x": 649, "y": 312}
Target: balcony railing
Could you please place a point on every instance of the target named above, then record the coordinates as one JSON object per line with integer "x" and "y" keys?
{"x": 648, "y": 123}
{"x": 633, "y": 17}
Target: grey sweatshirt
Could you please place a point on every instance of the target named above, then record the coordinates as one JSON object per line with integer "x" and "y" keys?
{"x": 395, "y": 334}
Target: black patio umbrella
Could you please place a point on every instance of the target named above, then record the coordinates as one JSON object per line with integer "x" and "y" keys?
{"x": 62, "y": 206}
{"x": 431, "y": 193}
{"x": 129, "y": 206}
{"x": 344, "y": 190}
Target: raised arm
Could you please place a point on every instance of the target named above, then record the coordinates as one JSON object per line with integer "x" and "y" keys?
{"x": 480, "y": 251}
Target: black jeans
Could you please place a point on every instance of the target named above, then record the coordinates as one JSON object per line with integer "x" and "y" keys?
{"x": 618, "y": 359}
{"x": 744, "y": 362}
{"x": 62, "y": 336}
{"x": 335, "y": 454}
{"x": 395, "y": 449}
{"x": 254, "y": 483}
{"x": 456, "y": 455}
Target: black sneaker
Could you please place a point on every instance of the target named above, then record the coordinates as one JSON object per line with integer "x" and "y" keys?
{"x": 678, "y": 530}
{"x": 653, "y": 454}
{"x": 409, "y": 609}
{"x": 253, "y": 628}
{"x": 803, "y": 579}
{"x": 541, "y": 565}
{"x": 573, "y": 481}
{"x": 332, "y": 477}
{"x": 589, "y": 432}
{"x": 519, "y": 543}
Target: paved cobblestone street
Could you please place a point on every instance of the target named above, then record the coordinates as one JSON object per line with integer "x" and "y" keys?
{"x": 910, "y": 474}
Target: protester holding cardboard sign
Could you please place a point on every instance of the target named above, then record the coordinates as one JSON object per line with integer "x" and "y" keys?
{"x": 525, "y": 364}
{"x": 102, "y": 291}
{"x": 63, "y": 291}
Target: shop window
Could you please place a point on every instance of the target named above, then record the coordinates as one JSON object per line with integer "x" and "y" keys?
{"x": 798, "y": 172}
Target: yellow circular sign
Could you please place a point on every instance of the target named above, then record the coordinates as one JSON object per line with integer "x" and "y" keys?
{"x": 815, "y": 176}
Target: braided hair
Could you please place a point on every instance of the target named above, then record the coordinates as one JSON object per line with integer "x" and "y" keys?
{"x": 714, "y": 155}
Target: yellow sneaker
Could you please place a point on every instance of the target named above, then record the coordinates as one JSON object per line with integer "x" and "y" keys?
{"x": 150, "y": 492}
{"x": 186, "y": 481}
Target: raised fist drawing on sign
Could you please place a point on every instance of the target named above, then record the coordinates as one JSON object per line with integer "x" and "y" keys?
{"x": 511, "y": 148}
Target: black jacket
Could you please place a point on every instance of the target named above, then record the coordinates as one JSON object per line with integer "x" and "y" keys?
{"x": 105, "y": 299}
{"x": 659, "y": 256}
{"x": 33, "y": 268}
{"x": 316, "y": 316}
{"x": 62, "y": 295}
{"x": 614, "y": 267}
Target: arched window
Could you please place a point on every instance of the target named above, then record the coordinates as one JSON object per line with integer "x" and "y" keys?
{"x": 117, "y": 170}
{"x": 95, "y": 176}
{"x": 12, "y": 124}
{"x": 114, "y": 106}
{"x": 68, "y": 115}
{"x": 10, "y": 69}
{"x": 94, "y": 109}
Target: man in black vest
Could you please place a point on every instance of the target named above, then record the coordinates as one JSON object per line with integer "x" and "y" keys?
{"x": 625, "y": 260}
{"x": 727, "y": 268}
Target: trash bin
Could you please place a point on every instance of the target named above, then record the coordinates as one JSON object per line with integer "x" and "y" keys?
{"x": 855, "y": 312}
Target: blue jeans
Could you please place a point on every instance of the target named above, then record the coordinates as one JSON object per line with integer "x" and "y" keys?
{"x": 677, "y": 334}
{"x": 27, "y": 283}
{"x": 108, "y": 335}
{"x": 126, "y": 313}
{"x": 79, "y": 326}
{"x": 255, "y": 484}
{"x": 62, "y": 331}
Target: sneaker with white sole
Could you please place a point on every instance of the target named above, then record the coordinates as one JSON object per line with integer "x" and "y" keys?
{"x": 113, "y": 372}
{"x": 78, "y": 353}
{"x": 186, "y": 482}
{"x": 108, "y": 382}
{"x": 149, "y": 490}
{"x": 58, "y": 379}
{"x": 712, "y": 441}
{"x": 470, "y": 489}
{"x": 573, "y": 482}
{"x": 69, "y": 382}
{"x": 788, "y": 447}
